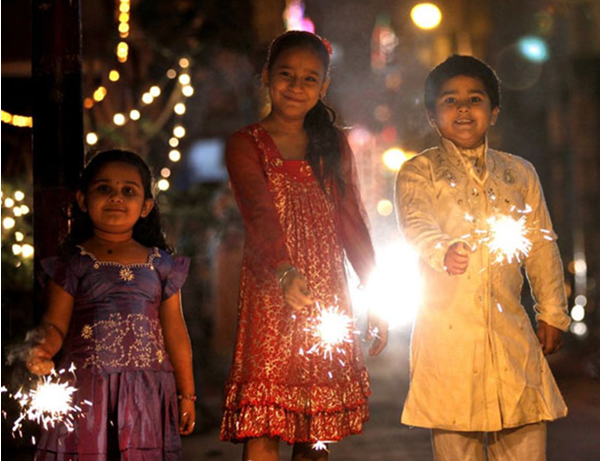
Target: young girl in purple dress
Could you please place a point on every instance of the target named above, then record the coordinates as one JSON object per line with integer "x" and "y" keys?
{"x": 114, "y": 308}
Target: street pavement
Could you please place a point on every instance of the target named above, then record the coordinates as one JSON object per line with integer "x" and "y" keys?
{"x": 575, "y": 438}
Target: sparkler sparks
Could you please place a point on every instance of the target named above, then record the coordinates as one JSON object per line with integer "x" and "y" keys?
{"x": 508, "y": 238}
{"x": 49, "y": 403}
{"x": 330, "y": 328}
{"x": 320, "y": 445}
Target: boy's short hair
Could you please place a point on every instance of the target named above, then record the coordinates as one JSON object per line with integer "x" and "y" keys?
{"x": 461, "y": 65}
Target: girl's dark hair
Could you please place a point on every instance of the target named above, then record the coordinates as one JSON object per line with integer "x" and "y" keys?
{"x": 461, "y": 65}
{"x": 323, "y": 152}
{"x": 146, "y": 231}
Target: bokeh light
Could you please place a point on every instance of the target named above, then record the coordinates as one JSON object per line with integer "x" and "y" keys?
{"x": 534, "y": 49}
{"x": 385, "y": 207}
{"x": 426, "y": 15}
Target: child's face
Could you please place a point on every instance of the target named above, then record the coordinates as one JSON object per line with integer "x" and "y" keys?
{"x": 115, "y": 198}
{"x": 463, "y": 111}
{"x": 296, "y": 81}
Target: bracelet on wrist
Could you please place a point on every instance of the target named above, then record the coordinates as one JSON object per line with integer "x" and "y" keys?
{"x": 287, "y": 272}
{"x": 191, "y": 397}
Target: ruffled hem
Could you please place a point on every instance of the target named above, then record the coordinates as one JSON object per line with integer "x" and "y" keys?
{"x": 131, "y": 454}
{"x": 295, "y": 413}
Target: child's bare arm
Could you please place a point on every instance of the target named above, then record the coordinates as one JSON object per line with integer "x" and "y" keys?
{"x": 177, "y": 343}
{"x": 52, "y": 330}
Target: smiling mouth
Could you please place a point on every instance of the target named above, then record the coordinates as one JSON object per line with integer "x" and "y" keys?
{"x": 119, "y": 210}
{"x": 292, "y": 99}
{"x": 463, "y": 122}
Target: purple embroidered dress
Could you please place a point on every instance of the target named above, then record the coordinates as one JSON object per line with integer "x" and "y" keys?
{"x": 115, "y": 341}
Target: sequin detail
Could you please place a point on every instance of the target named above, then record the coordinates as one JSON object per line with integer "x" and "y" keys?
{"x": 124, "y": 341}
{"x": 126, "y": 274}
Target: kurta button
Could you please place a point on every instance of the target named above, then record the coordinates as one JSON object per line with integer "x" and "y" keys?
{"x": 450, "y": 327}
{"x": 475, "y": 371}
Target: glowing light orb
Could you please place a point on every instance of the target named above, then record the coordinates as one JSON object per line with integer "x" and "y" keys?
{"x": 395, "y": 288}
{"x": 578, "y": 328}
{"x": 577, "y": 313}
{"x": 426, "y": 15}
{"x": 9, "y": 202}
{"x": 91, "y": 138}
{"x": 19, "y": 195}
{"x": 534, "y": 49}
{"x": 184, "y": 79}
{"x": 394, "y": 158}
{"x": 187, "y": 91}
{"x": 179, "y": 131}
{"x": 119, "y": 119}
{"x": 385, "y": 207}
{"x": 154, "y": 91}
{"x": 114, "y": 75}
{"x": 174, "y": 155}
{"x": 135, "y": 114}
{"x": 179, "y": 108}
{"x": 163, "y": 184}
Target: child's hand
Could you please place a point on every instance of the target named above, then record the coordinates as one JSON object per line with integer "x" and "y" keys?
{"x": 39, "y": 361}
{"x": 378, "y": 328}
{"x": 457, "y": 258}
{"x": 295, "y": 291}
{"x": 550, "y": 337}
{"x": 187, "y": 416}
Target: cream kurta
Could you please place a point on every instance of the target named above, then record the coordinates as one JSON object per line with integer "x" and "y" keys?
{"x": 476, "y": 362}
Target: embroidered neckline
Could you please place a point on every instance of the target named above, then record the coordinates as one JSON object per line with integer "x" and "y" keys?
{"x": 258, "y": 127}
{"x": 149, "y": 263}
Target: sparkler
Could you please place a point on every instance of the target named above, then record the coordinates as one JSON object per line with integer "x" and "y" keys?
{"x": 320, "y": 445}
{"x": 330, "y": 328}
{"x": 508, "y": 238}
{"x": 49, "y": 403}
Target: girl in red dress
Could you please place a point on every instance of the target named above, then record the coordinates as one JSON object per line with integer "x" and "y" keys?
{"x": 294, "y": 180}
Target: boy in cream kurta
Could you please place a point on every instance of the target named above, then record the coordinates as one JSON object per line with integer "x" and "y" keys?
{"x": 477, "y": 366}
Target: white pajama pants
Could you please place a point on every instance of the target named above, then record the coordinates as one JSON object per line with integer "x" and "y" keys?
{"x": 524, "y": 443}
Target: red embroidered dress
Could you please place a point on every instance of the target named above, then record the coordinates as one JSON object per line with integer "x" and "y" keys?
{"x": 273, "y": 388}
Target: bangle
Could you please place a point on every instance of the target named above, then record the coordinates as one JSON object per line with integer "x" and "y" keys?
{"x": 191, "y": 397}
{"x": 55, "y": 328}
{"x": 288, "y": 271}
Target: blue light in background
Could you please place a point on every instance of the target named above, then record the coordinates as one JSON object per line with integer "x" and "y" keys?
{"x": 534, "y": 49}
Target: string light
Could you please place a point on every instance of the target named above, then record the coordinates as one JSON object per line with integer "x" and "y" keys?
{"x": 174, "y": 155}
{"x": 187, "y": 91}
{"x": 122, "y": 51}
{"x": 165, "y": 172}
{"x": 173, "y": 142}
{"x": 119, "y": 119}
{"x": 147, "y": 98}
{"x": 19, "y": 196}
{"x": 134, "y": 114}
{"x": 8, "y": 222}
{"x": 179, "y": 108}
{"x": 9, "y": 203}
{"x": 91, "y": 138}
{"x": 155, "y": 91}
{"x": 184, "y": 79}
{"x": 163, "y": 184}
{"x": 19, "y": 236}
{"x": 184, "y": 63}
{"x": 24, "y": 209}
{"x": 171, "y": 73}
{"x": 179, "y": 131}
{"x": 20, "y": 121}
{"x": 114, "y": 75}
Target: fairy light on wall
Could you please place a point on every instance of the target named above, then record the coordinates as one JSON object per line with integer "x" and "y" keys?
{"x": 20, "y": 121}
{"x": 13, "y": 236}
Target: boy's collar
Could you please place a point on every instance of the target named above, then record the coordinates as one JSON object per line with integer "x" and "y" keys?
{"x": 466, "y": 159}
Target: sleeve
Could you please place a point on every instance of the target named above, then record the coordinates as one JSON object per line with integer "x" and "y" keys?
{"x": 352, "y": 218}
{"x": 63, "y": 271}
{"x": 415, "y": 212}
{"x": 543, "y": 264}
{"x": 174, "y": 279}
{"x": 255, "y": 200}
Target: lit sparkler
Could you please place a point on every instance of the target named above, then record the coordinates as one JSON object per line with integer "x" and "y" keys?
{"x": 320, "y": 445}
{"x": 331, "y": 328}
{"x": 508, "y": 238}
{"x": 49, "y": 403}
